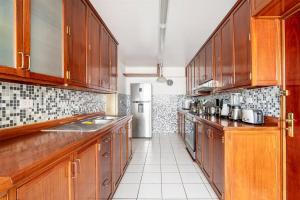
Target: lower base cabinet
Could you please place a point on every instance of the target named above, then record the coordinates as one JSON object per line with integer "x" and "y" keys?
{"x": 91, "y": 172}
{"x": 240, "y": 163}
{"x": 54, "y": 184}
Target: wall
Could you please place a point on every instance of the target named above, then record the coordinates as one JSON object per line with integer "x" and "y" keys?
{"x": 165, "y": 99}
{"x": 26, "y": 104}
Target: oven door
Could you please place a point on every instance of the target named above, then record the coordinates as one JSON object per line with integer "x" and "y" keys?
{"x": 190, "y": 138}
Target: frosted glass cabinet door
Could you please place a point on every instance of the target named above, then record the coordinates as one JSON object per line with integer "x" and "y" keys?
{"x": 7, "y": 33}
{"x": 46, "y": 37}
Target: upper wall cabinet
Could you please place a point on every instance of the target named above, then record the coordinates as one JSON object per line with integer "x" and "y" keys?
{"x": 59, "y": 42}
{"x": 75, "y": 57}
{"x": 242, "y": 52}
{"x": 272, "y": 7}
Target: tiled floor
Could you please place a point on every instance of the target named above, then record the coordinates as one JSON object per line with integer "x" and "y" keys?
{"x": 161, "y": 168}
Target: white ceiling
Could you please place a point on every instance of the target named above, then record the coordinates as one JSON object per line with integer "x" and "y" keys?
{"x": 135, "y": 24}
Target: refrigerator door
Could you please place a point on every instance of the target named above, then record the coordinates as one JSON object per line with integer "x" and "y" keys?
{"x": 141, "y": 123}
{"x": 140, "y": 92}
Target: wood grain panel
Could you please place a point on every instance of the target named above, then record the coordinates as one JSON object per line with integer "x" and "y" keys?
{"x": 218, "y": 59}
{"x": 55, "y": 184}
{"x": 202, "y": 64}
{"x": 218, "y": 161}
{"x": 252, "y": 165}
{"x": 209, "y": 60}
{"x": 105, "y": 61}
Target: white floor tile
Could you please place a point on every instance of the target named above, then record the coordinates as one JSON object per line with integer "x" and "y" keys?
{"x": 187, "y": 168}
{"x": 127, "y": 191}
{"x": 173, "y": 191}
{"x": 150, "y": 191}
{"x": 135, "y": 168}
{"x": 131, "y": 178}
{"x": 171, "y": 178}
{"x": 169, "y": 168}
{"x": 191, "y": 178}
{"x": 196, "y": 191}
{"x": 151, "y": 178}
{"x": 152, "y": 168}
{"x": 211, "y": 191}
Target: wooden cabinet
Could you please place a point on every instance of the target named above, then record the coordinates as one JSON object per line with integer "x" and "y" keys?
{"x": 75, "y": 61}
{"x": 192, "y": 67}
{"x": 105, "y": 60}
{"x": 124, "y": 148}
{"x": 207, "y": 151}
{"x": 53, "y": 184}
{"x": 197, "y": 70}
{"x": 199, "y": 143}
{"x": 117, "y": 143}
{"x": 209, "y": 65}
{"x": 129, "y": 140}
{"x": 202, "y": 65}
{"x": 113, "y": 64}
{"x": 218, "y": 160}
{"x": 258, "y": 5}
{"x": 242, "y": 46}
{"x": 93, "y": 67}
{"x": 218, "y": 59}
{"x": 86, "y": 178}
{"x": 227, "y": 53}
{"x": 105, "y": 174}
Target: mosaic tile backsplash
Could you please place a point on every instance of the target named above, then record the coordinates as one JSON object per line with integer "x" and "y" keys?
{"x": 164, "y": 107}
{"x": 26, "y": 104}
{"x": 266, "y": 99}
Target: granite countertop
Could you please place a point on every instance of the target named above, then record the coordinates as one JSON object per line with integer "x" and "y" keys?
{"x": 228, "y": 124}
{"x": 23, "y": 153}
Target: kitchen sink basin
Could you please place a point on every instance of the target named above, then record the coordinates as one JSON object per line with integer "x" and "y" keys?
{"x": 87, "y": 125}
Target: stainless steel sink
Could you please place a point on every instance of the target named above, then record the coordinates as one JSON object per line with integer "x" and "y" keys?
{"x": 87, "y": 125}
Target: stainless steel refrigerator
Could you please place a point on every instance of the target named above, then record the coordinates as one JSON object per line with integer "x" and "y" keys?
{"x": 141, "y": 109}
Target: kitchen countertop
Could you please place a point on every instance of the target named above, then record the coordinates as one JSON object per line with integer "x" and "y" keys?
{"x": 24, "y": 153}
{"x": 227, "y": 124}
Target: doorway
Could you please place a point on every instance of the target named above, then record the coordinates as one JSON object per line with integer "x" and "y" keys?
{"x": 291, "y": 103}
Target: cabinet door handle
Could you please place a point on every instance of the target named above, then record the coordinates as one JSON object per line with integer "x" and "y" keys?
{"x": 106, "y": 182}
{"x": 22, "y": 59}
{"x": 78, "y": 165}
{"x": 223, "y": 139}
{"x": 29, "y": 62}
{"x": 105, "y": 155}
{"x": 106, "y": 140}
{"x": 74, "y": 170}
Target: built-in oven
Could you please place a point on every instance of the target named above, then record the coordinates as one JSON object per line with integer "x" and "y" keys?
{"x": 190, "y": 134}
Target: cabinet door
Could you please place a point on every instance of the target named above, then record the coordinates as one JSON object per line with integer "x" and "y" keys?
{"x": 199, "y": 142}
{"x": 258, "y": 5}
{"x": 218, "y": 64}
{"x": 206, "y": 159}
{"x": 85, "y": 183}
{"x": 202, "y": 65}
{"x": 94, "y": 28}
{"x": 242, "y": 49}
{"x": 129, "y": 140}
{"x": 218, "y": 160}
{"x": 227, "y": 53}
{"x": 104, "y": 69}
{"x": 11, "y": 40}
{"x": 43, "y": 45}
{"x": 116, "y": 156}
{"x": 53, "y": 184}
{"x": 105, "y": 182}
{"x": 76, "y": 14}
{"x": 113, "y": 65}
{"x": 197, "y": 70}
{"x": 209, "y": 60}
{"x": 192, "y": 65}
{"x": 124, "y": 148}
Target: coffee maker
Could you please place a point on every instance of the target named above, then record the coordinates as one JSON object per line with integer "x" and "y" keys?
{"x": 235, "y": 112}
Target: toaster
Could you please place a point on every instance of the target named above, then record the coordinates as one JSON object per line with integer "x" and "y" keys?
{"x": 252, "y": 116}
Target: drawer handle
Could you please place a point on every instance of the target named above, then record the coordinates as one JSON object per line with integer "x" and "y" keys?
{"x": 74, "y": 170}
{"x": 106, "y": 155}
{"x": 78, "y": 165}
{"x": 107, "y": 140}
{"x": 106, "y": 182}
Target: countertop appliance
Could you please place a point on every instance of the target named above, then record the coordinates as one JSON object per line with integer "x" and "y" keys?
{"x": 186, "y": 104}
{"x": 235, "y": 112}
{"x": 225, "y": 110}
{"x": 190, "y": 134}
{"x": 252, "y": 116}
{"x": 141, "y": 109}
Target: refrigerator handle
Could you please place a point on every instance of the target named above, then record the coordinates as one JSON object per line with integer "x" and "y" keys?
{"x": 141, "y": 108}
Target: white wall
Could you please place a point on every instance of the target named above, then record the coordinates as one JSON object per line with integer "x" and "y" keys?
{"x": 177, "y": 74}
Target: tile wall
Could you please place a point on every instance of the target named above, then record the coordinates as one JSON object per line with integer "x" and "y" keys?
{"x": 26, "y": 104}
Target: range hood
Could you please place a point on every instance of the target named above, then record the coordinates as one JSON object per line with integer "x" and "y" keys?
{"x": 206, "y": 86}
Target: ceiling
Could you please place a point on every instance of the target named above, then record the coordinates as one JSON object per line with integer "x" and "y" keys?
{"x": 135, "y": 24}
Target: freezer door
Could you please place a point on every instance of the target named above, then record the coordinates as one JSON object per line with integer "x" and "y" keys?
{"x": 141, "y": 123}
{"x": 140, "y": 92}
